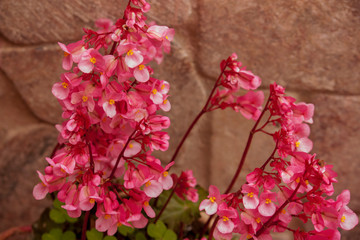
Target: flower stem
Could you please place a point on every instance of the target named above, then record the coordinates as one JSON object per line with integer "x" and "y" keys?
{"x": 91, "y": 158}
{"x": 84, "y": 227}
{"x": 204, "y": 110}
{"x": 247, "y": 147}
{"x": 268, "y": 222}
{"x": 213, "y": 228}
{"x": 186, "y": 135}
{"x": 121, "y": 154}
{"x": 166, "y": 203}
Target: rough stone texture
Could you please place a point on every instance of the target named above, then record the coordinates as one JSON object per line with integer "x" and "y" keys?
{"x": 336, "y": 136}
{"x": 229, "y": 137}
{"x": 13, "y": 112}
{"x": 21, "y": 156}
{"x": 30, "y": 22}
{"x": 183, "y": 83}
{"x": 34, "y": 70}
{"x": 311, "y": 45}
{"x": 230, "y": 134}
{"x": 70, "y": 17}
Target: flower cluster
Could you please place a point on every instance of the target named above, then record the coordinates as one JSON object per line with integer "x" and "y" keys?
{"x": 110, "y": 105}
{"x": 296, "y": 184}
{"x": 232, "y": 80}
{"x": 103, "y": 162}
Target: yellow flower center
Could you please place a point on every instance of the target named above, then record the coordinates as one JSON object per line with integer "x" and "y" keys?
{"x": 248, "y": 236}
{"x": 147, "y": 184}
{"x": 93, "y": 60}
{"x": 165, "y": 101}
{"x": 258, "y": 220}
{"x": 141, "y": 67}
{"x": 297, "y": 144}
{"x": 162, "y": 87}
{"x": 107, "y": 216}
{"x": 154, "y": 91}
{"x": 165, "y": 173}
{"x": 225, "y": 218}
{"x": 250, "y": 194}
{"x": 65, "y": 85}
{"x": 92, "y": 200}
{"x": 283, "y": 211}
{"x": 167, "y": 37}
{"x": 131, "y": 146}
{"x": 146, "y": 203}
{"x": 297, "y": 180}
{"x": 307, "y": 182}
{"x": 268, "y": 201}
{"x": 130, "y": 52}
{"x": 343, "y": 219}
{"x": 84, "y": 98}
{"x": 111, "y": 101}
{"x": 66, "y": 54}
{"x": 212, "y": 199}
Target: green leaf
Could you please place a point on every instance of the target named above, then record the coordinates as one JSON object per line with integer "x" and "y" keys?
{"x": 47, "y": 236}
{"x": 70, "y": 219}
{"x": 57, "y": 216}
{"x": 109, "y": 238}
{"x": 93, "y": 234}
{"x": 179, "y": 210}
{"x": 140, "y": 236}
{"x": 57, "y": 204}
{"x": 169, "y": 235}
{"x": 161, "y": 227}
{"x": 54, "y": 234}
{"x": 125, "y": 230}
{"x": 69, "y": 235}
{"x": 156, "y": 231}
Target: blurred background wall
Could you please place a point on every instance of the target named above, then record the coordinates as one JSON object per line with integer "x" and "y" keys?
{"x": 310, "y": 47}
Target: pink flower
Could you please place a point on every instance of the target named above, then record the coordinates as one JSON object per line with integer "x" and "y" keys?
{"x": 250, "y": 199}
{"x": 267, "y": 207}
{"x": 141, "y": 73}
{"x": 210, "y": 205}
{"x": 186, "y": 186}
{"x": 90, "y": 60}
{"x": 250, "y": 104}
{"x": 134, "y": 58}
{"x": 226, "y": 214}
{"x": 72, "y": 53}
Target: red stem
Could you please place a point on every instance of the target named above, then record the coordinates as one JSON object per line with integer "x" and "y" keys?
{"x": 246, "y": 150}
{"x": 271, "y": 157}
{"x": 204, "y": 110}
{"x": 213, "y": 228}
{"x": 186, "y": 135}
{"x": 91, "y": 158}
{"x": 84, "y": 227}
{"x": 121, "y": 154}
{"x": 166, "y": 203}
{"x": 268, "y": 222}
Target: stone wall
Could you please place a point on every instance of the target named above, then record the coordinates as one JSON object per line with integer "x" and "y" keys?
{"x": 310, "y": 47}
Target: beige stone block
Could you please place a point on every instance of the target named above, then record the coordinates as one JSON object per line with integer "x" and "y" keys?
{"x": 21, "y": 155}
{"x": 33, "y": 71}
{"x": 307, "y": 45}
{"x": 187, "y": 97}
{"x": 42, "y": 21}
{"x": 335, "y": 133}
{"x": 14, "y": 113}
{"x": 229, "y": 137}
